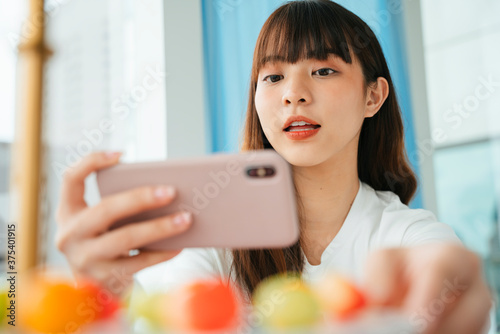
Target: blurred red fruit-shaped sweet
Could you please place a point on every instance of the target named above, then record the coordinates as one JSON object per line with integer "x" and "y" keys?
{"x": 102, "y": 301}
{"x": 204, "y": 305}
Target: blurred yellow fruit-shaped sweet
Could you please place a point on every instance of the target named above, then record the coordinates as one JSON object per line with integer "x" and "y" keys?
{"x": 4, "y": 308}
{"x": 151, "y": 307}
{"x": 285, "y": 301}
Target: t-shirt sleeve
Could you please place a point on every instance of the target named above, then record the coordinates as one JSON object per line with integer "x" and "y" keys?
{"x": 407, "y": 227}
{"x": 427, "y": 229}
{"x": 190, "y": 264}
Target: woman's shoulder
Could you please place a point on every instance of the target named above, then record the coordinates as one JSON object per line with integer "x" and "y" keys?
{"x": 384, "y": 198}
{"x": 399, "y": 225}
{"x": 384, "y": 206}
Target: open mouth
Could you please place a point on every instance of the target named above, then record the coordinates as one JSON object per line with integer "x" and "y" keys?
{"x": 301, "y": 126}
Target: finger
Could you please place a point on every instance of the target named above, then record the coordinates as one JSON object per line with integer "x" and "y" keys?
{"x": 117, "y": 275}
{"x": 144, "y": 259}
{"x": 384, "y": 280}
{"x": 137, "y": 235}
{"x": 73, "y": 186}
{"x": 471, "y": 315}
{"x": 99, "y": 218}
{"x": 437, "y": 288}
{"x": 424, "y": 303}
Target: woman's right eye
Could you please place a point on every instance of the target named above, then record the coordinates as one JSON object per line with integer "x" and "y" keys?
{"x": 273, "y": 78}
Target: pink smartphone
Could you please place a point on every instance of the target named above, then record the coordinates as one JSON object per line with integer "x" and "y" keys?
{"x": 243, "y": 200}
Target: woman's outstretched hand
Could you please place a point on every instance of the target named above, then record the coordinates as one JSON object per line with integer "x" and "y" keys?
{"x": 439, "y": 286}
{"x": 94, "y": 252}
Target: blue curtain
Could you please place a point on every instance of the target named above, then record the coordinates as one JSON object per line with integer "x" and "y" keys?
{"x": 230, "y": 30}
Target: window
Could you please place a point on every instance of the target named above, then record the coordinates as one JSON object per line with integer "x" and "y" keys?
{"x": 462, "y": 43}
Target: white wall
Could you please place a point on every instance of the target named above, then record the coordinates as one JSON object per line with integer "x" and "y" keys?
{"x": 462, "y": 48}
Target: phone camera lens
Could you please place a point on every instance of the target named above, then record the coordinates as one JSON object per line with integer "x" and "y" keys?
{"x": 261, "y": 172}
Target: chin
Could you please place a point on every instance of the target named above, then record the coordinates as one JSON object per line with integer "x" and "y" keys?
{"x": 299, "y": 158}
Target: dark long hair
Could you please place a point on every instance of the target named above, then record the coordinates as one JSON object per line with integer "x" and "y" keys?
{"x": 314, "y": 29}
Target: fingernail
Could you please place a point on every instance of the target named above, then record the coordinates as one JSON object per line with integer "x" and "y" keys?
{"x": 182, "y": 218}
{"x": 112, "y": 155}
{"x": 163, "y": 192}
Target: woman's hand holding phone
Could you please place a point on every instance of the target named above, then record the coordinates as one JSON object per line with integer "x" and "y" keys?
{"x": 95, "y": 252}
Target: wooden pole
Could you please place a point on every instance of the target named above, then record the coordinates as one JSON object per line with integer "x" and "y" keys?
{"x": 27, "y": 148}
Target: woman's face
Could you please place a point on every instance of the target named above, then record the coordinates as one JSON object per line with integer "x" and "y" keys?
{"x": 330, "y": 93}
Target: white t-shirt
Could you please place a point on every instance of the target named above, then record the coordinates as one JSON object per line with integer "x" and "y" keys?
{"x": 377, "y": 219}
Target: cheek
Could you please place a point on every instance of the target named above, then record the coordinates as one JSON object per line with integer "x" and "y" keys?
{"x": 262, "y": 101}
{"x": 260, "y": 107}
{"x": 349, "y": 110}
{"x": 267, "y": 112}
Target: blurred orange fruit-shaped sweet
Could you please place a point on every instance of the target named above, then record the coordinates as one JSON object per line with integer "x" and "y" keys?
{"x": 55, "y": 305}
{"x": 338, "y": 296}
{"x": 204, "y": 305}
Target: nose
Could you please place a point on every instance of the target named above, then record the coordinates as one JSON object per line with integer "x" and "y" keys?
{"x": 296, "y": 93}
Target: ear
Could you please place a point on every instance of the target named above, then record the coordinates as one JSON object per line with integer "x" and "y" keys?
{"x": 376, "y": 95}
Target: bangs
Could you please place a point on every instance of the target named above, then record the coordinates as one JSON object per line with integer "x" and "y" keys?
{"x": 302, "y": 30}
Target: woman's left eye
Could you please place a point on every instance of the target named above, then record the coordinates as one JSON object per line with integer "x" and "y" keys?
{"x": 324, "y": 71}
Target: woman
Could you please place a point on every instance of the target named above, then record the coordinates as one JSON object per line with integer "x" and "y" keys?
{"x": 321, "y": 96}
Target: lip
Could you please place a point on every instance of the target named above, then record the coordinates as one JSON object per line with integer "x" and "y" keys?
{"x": 301, "y": 135}
{"x": 292, "y": 119}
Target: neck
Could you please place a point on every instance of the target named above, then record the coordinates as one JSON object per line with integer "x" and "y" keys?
{"x": 326, "y": 192}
